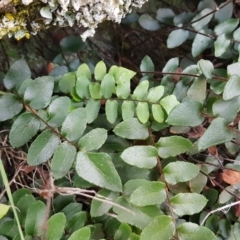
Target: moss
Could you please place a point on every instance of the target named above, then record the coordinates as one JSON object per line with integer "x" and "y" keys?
{"x": 20, "y": 18}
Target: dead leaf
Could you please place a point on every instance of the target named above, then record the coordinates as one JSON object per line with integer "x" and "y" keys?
{"x": 196, "y": 132}
{"x": 231, "y": 177}
{"x": 213, "y": 151}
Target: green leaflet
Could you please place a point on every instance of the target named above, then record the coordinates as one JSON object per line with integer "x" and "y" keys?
{"x": 186, "y": 114}
{"x": 111, "y": 109}
{"x": 142, "y": 111}
{"x": 141, "y": 90}
{"x": 63, "y": 159}
{"x": 100, "y": 70}
{"x": 74, "y": 124}
{"x": 180, "y": 172}
{"x": 42, "y": 148}
{"x": 136, "y": 216}
{"x": 38, "y": 93}
{"x": 215, "y": 134}
{"x": 23, "y": 129}
{"x": 162, "y": 227}
{"x": 147, "y": 66}
{"x": 188, "y": 203}
{"x": 81, "y": 234}
{"x": 93, "y": 140}
{"x": 35, "y": 218}
{"x": 131, "y": 129}
{"x": 58, "y": 111}
{"x": 9, "y": 106}
{"x": 140, "y": 156}
{"x": 56, "y": 225}
{"x": 97, "y": 168}
{"x": 150, "y": 193}
{"x": 18, "y": 72}
{"x": 173, "y": 146}
{"x": 196, "y": 232}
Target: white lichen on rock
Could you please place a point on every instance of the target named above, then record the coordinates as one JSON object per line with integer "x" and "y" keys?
{"x": 21, "y": 18}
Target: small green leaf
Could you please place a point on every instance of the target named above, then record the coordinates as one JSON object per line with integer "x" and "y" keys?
{"x": 147, "y": 66}
{"x": 198, "y": 90}
{"x": 100, "y": 71}
{"x": 123, "y": 87}
{"x": 81, "y": 234}
{"x": 226, "y": 109}
{"x": 169, "y": 103}
{"x": 187, "y": 203}
{"x": 131, "y": 129}
{"x": 215, "y": 134}
{"x": 140, "y": 156}
{"x": 84, "y": 70}
{"x": 224, "y": 13}
{"x": 158, "y": 113}
{"x": 123, "y": 232}
{"x": 107, "y": 86}
{"x": 82, "y": 86}
{"x": 18, "y": 72}
{"x": 206, "y": 67}
{"x": 142, "y": 111}
{"x": 99, "y": 208}
{"x": 118, "y": 71}
{"x": 227, "y": 26}
{"x": 150, "y": 193}
{"x": 148, "y": 23}
{"x": 133, "y": 215}
{"x": 56, "y": 225}
{"x": 93, "y": 140}
{"x": 201, "y": 42}
{"x": 162, "y": 227}
{"x": 221, "y": 44}
{"x": 42, "y": 148}
{"x": 63, "y": 159}
{"x": 232, "y": 88}
{"x": 233, "y": 69}
{"x": 39, "y": 92}
{"x": 202, "y": 19}
{"x": 35, "y": 219}
{"x": 171, "y": 65}
{"x": 173, "y": 146}
{"x": 94, "y": 89}
{"x": 155, "y": 94}
{"x": 194, "y": 231}
{"x": 97, "y": 168}
{"x": 74, "y": 124}
{"x": 131, "y": 185}
{"x": 186, "y": 114}
{"x": 176, "y": 172}
{"x": 67, "y": 82}
{"x": 177, "y": 38}
{"x": 111, "y": 109}
{"x": 58, "y": 111}
{"x": 92, "y": 107}
{"x": 128, "y": 109}
{"x": 141, "y": 90}
{"x": 3, "y": 210}
{"x": 23, "y": 129}
{"x": 9, "y": 106}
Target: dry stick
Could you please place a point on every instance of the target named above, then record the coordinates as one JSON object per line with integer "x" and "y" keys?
{"x": 219, "y": 209}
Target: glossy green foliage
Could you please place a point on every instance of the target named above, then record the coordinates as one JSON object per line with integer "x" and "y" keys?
{"x": 137, "y": 149}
